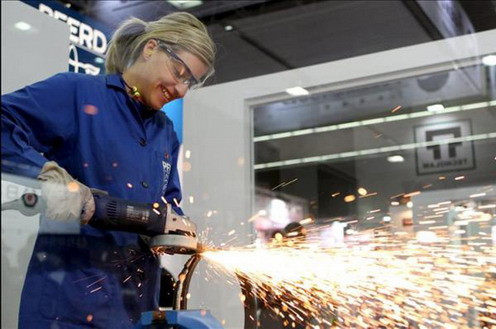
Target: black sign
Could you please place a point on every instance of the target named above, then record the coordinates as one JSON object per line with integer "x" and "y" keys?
{"x": 446, "y": 147}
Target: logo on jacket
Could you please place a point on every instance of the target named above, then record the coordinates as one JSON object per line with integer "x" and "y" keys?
{"x": 166, "y": 169}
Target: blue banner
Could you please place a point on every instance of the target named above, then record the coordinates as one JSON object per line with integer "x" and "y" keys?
{"x": 88, "y": 39}
{"x": 174, "y": 111}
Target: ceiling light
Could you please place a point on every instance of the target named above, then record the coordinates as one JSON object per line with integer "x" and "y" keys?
{"x": 395, "y": 203}
{"x": 489, "y": 60}
{"x": 386, "y": 218}
{"x": 23, "y": 26}
{"x": 409, "y": 204}
{"x": 362, "y": 191}
{"x": 349, "y": 198}
{"x": 228, "y": 28}
{"x": 435, "y": 107}
{"x": 185, "y": 4}
{"x": 396, "y": 158}
{"x": 297, "y": 91}
{"x": 388, "y": 149}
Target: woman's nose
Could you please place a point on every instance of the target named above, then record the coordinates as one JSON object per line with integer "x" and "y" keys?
{"x": 181, "y": 89}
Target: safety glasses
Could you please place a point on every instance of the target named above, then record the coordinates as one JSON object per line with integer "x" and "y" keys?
{"x": 179, "y": 68}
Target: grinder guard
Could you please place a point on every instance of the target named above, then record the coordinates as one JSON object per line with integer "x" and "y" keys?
{"x": 169, "y": 232}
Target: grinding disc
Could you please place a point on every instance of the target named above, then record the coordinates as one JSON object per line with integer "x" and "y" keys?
{"x": 174, "y": 244}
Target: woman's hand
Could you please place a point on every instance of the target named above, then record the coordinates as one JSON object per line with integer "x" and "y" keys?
{"x": 66, "y": 199}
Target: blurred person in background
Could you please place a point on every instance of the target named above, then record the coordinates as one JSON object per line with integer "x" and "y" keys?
{"x": 295, "y": 232}
{"x": 74, "y": 132}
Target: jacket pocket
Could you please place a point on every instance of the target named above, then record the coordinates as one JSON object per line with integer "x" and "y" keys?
{"x": 80, "y": 297}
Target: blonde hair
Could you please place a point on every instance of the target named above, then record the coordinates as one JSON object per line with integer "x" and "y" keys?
{"x": 180, "y": 30}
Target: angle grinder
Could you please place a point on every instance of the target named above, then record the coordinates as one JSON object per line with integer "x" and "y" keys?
{"x": 164, "y": 229}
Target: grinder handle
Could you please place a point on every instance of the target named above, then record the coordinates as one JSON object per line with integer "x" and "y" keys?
{"x": 123, "y": 215}
{"x": 110, "y": 213}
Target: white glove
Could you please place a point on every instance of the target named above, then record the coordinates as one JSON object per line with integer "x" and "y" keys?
{"x": 66, "y": 199}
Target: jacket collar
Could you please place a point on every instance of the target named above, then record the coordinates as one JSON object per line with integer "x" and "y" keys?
{"x": 115, "y": 80}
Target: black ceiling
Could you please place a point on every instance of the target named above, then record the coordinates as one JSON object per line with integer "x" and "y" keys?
{"x": 275, "y": 35}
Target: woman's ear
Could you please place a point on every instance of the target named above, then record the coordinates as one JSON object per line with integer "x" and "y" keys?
{"x": 149, "y": 48}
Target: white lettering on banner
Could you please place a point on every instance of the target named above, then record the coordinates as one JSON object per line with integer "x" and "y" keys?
{"x": 85, "y": 35}
{"x": 45, "y": 9}
{"x": 60, "y": 16}
{"x": 81, "y": 34}
{"x": 101, "y": 46}
{"x": 73, "y": 23}
{"x": 74, "y": 62}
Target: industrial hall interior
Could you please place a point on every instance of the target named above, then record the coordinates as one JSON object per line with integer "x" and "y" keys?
{"x": 248, "y": 164}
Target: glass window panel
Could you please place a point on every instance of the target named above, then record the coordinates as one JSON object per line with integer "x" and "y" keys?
{"x": 314, "y": 153}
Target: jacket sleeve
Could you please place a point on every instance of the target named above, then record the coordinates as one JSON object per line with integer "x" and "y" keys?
{"x": 173, "y": 190}
{"x": 37, "y": 121}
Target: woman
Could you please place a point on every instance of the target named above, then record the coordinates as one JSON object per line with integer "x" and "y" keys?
{"x": 75, "y": 132}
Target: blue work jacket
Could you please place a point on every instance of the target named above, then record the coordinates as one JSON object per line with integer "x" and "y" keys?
{"x": 91, "y": 127}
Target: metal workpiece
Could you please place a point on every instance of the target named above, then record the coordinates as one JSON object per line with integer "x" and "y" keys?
{"x": 247, "y": 289}
{"x": 182, "y": 285}
{"x": 250, "y": 302}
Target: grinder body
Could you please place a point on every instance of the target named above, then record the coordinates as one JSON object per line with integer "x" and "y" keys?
{"x": 164, "y": 230}
{"x": 167, "y": 231}
{"x": 122, "y": 215}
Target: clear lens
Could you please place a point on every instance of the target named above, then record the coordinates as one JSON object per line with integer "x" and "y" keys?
{"x": 180, "y": 69}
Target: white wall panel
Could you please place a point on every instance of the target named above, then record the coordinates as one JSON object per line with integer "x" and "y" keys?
{"x": 217, "y": 131}
{"x": 27, "y": 57}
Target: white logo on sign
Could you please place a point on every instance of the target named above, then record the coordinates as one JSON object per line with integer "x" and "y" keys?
{"x": 446, "y": 152}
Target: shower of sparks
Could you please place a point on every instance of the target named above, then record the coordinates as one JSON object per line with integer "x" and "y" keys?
{"x": 368, "y": 195}
{"x": 411, "y": 194}
{"x": 392, "y": 281}
{"x": 396, "y": 109}
{"x": 95, "y": 282}
{"x": 284, "y": 184}
{"x": 90, "y": 109}
{"x": 349, "y": 198}
{"x": 95, "y": 290}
